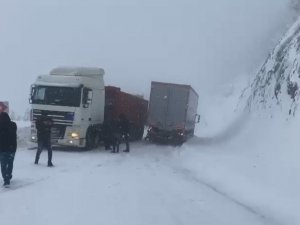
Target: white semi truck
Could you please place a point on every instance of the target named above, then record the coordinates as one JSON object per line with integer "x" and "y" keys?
{"x": 74, "y": 98}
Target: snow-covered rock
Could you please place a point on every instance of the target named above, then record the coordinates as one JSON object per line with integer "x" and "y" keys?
{"x": 276, "y": 86}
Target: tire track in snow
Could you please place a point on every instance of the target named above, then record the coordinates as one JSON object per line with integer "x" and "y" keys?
{"x": 188, "y": 174}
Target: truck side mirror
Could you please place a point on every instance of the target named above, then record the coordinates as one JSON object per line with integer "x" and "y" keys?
{"x": 31, "y": 94}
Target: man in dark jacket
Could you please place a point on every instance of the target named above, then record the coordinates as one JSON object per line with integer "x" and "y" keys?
{"x": 124, "y": 127}
{"x": 43, "y": 126}
{"x": 8, "y": 146}
{"x": 107, "y": 130}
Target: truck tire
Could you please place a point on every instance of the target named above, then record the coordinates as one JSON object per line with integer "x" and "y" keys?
{"x": 180, "y": 140}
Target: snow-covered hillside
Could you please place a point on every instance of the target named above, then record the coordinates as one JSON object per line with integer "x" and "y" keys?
{"x": 276, "y": 86}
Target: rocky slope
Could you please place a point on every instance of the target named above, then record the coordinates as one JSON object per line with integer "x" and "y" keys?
{"x": 276, "y": 86}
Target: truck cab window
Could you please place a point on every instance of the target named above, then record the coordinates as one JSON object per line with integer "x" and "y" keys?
{"x": 62, "y": 96}
{"x": 40, "y": 94}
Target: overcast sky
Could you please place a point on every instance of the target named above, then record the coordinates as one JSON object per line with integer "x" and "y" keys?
{"x": 197, "y": 42}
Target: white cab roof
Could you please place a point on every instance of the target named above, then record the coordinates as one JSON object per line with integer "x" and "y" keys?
{"x": 77, "y": 71}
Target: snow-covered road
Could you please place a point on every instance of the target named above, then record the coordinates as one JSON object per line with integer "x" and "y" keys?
{"x": 251, "y": 179}
{"x": 97, "y": 187}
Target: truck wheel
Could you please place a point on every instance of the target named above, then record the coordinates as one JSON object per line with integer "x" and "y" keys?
{"x": 89, "y": 140}
{"x": 181, "y": 140}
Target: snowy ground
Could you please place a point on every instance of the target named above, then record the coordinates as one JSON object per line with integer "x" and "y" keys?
{"x": 248, "y": 177}
{"x": 143, "y": 187}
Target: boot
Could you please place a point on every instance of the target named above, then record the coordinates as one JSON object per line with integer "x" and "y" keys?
{"x": 6, "y": 183}
{"x": 36, "y": 161}
{"x": 50, "y": 164}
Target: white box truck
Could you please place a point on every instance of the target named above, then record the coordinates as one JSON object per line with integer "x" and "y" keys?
{"x": 74, "y": 98}
{"x": 172, "y": 112}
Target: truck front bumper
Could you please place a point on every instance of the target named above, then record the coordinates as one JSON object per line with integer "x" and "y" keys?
{"x": 69, "y": 142}
{"x": 64, "y": 142}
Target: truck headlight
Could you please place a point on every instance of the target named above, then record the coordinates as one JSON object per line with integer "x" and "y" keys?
{"x": 74, "y": 135}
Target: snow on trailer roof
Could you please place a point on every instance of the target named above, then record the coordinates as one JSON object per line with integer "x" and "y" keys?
{"x": 172, "y": 84}
{"x": 77, "y": 71}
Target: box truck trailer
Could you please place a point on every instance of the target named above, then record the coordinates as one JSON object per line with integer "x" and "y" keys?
{"x": 172, "y": 112}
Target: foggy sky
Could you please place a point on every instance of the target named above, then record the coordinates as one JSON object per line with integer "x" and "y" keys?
{"x": 198, "y": 42}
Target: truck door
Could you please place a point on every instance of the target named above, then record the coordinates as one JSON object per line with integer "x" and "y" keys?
{"x": 158, "y": 106}
{"x": 87, "y": 96}
{"x": 177, "y": 106}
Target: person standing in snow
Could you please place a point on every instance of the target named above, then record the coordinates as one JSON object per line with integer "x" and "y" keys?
{"x": 124, "y": 127}
{"x": 116, "y": 136}
{"x": 43, "y": 125}
{"x": 107, "y": 130}
{"x": 8, "y": 146}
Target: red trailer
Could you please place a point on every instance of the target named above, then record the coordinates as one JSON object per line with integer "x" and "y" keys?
{"x": 134, "y": 107}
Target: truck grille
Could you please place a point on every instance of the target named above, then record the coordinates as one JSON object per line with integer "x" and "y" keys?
{"x": 59, "y": 118}
{"x": 58, "y": 132}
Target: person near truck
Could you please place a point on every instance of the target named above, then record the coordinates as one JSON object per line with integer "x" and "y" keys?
{"x": 108, "y": 129}
{"x": 43, "y": 125}
{"x": 124, "y": 127}
{"x": 115, "y": 136}
{"x": 8, "y": 146}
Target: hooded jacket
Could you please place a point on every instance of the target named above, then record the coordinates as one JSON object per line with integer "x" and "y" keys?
{"x": 43, "y": 125}
{"x": 8, "y": 134}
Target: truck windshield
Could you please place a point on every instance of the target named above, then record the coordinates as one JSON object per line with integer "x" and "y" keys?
{"x": 63, "y": 96}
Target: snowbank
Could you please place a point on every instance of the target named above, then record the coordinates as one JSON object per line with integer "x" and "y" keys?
{"x": 259, "y": 168}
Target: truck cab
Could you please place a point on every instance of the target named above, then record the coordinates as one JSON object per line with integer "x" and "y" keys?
{"x": 74, "y": 98}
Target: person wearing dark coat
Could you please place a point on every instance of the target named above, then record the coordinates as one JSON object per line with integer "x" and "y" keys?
{"x": 124, "y": 127}
{"x": 43, "y": 125}
{"x": 108, "y": 133}
{"x": 8, "y": 146}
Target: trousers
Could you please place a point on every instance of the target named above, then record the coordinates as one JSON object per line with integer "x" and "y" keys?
{"x": 7, "y": 164}
{"x": 44, "y": 143}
